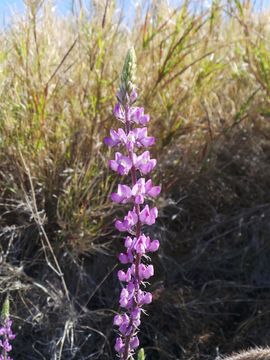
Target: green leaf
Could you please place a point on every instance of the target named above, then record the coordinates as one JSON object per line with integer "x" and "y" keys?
{"x": 141, "y": 355}
{"x": 5, "y": 308}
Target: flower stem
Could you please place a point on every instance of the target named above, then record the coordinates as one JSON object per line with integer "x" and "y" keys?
{"x": 138, "y": 234}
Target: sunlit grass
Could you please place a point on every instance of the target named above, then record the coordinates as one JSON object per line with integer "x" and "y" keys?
{"x": 199, "y": 73}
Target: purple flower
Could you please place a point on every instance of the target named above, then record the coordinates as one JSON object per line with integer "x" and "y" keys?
{"x": 129, "y": 221}
{"x": 140, "y": 138}
{"x": 116, "y": 137}
{"x": 143, "y": 245}
{"x": 139, "y": 246}
{"x": 145, "y": 272}
{"x": 137, "y": 137}
{"x": 143, "y": 163}
{"x": 133, "y": 96}
{"x": 130, "y": 138}
{"x": 123, "y": 322}
{"x": 153, "y": 246}
{"x": 122, "y": 164}
{"x": 5, "y": 345}
{"x": 134, "y": 342}
{"x": 127, "y": 296}
{"x": 142, "y": 189}
{"x": 125, "y": 276}
{"x": 137, "y": 116}
{"x": 6, "y": 334}
{"x": 152, "y": 190}
{"x": 119, "y": 112}
{"x": 137, "y": 193}
{"x": 148, "y": 216}
{"x": 119, "y": 345}
{"x": 123, "y": 194}
{"x": 144, "y": 297}
{"x": 126, "y": 258}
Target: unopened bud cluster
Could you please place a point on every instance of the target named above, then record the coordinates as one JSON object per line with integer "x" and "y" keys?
{"x": 128, "y": 79}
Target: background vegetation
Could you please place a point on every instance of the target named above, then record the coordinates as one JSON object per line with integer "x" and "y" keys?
{"x": 204, "y": 76}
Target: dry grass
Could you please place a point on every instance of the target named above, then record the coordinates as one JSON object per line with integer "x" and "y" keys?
{"x": 204, "y": 76}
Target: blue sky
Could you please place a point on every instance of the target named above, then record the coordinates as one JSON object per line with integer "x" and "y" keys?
{"x": 64, "y": 6}
{"x": 7, "y": 5}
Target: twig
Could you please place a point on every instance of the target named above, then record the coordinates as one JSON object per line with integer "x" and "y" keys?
{"x": 39, "y": 222}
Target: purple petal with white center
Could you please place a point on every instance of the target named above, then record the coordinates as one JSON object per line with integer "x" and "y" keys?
{"x": 152, "y": 190}
{"x": 146, "y": 168}
{"x": 136, "y": 113}
{"x": 129, "y": 221}
{"x": 148, "y": 216}
{"x": 122, "y": 164}
{"x": 117, "y": 320}
{"x": 144, "y": 163}
{"x": 141, "y": 137}
{"x": 113, "y": 140}
{"x": 123, "y": 194}
{"x": 140, "y": 245}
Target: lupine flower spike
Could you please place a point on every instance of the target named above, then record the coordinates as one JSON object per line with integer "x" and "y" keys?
{"x": 137, "y": 163}
{"x": 6, "y": 333}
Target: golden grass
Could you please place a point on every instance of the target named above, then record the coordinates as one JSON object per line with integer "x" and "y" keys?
{"x": 198, "y": 75}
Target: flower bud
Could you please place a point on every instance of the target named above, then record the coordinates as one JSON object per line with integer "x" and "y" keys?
{"x": 128, "y": 78}
{"x": 5, "y": 308}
